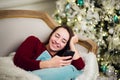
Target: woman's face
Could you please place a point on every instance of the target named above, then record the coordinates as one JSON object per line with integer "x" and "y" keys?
{"x": 58, "y": 39}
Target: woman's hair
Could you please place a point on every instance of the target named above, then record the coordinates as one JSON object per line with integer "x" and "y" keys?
{"x": 67, "y": 47}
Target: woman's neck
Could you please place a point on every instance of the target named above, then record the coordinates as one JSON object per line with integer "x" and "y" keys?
{"x": 52, "y": 53}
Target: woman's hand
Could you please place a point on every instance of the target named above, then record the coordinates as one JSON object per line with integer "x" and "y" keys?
{"x": 56, "y": 61}
{"x": 74, "y": 39}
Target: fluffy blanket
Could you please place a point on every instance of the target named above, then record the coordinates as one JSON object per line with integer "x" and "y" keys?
{"x": 8, "y": 71}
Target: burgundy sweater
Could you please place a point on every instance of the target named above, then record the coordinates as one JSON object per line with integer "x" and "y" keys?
{"x": 30, "y": 49}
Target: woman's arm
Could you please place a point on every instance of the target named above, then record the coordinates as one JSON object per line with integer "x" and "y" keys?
{"x": 73, "y": 41}
{"x": 56, "y": 61}
{"x": 27, "y": 53}
{"x": 77, "y": 60}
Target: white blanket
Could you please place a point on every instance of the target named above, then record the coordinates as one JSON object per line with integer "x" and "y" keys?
{"x": 8, "y": 71}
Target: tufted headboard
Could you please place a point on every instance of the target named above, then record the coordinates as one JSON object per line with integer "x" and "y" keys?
{"x": 17, "y": 25}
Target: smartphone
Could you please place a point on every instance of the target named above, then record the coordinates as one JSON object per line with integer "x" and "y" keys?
{"x": 68, "y": 53}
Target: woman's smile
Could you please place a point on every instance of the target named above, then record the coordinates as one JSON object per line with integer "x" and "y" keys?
{"x": 55, "y": 44}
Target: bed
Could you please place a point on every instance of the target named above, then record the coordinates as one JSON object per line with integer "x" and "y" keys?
{"x": 17, "y": 25}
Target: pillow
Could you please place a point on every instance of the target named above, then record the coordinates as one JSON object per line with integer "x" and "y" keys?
{"x": 90, "y": 71}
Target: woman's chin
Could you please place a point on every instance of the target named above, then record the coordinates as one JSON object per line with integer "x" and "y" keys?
{"x": 54, "y": 50}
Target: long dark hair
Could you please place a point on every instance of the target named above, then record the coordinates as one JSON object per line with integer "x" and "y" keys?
{"x": 70, "y": 31}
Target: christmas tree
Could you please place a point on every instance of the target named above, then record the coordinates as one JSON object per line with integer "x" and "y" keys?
{"x": 98, "y": 20}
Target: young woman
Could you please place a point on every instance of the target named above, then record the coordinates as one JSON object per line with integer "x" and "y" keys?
{"x": 45, "y": 60}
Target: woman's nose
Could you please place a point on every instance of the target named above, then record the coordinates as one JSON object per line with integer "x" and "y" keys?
{"x": 58, "y": 41}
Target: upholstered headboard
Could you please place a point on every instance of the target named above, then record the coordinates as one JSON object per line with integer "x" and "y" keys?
{"x": 16, "y": 25}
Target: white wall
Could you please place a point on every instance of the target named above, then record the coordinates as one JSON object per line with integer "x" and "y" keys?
{"x": 48, "y": 6}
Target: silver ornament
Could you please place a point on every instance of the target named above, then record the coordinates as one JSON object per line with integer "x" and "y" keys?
{"x": 110, "y": 71}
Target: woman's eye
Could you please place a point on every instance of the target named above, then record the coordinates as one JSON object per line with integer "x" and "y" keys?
{"x": 64, "y": 41}
{"x": 57, "y": 36}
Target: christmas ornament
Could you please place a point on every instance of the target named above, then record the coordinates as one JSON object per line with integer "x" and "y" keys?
{"x": 111, "y": 30}
{"x": 116, "y": 20}
{"x": 104, "y": 68}
{"x": 110, "y": 71}
{"x": 80, "y": 2}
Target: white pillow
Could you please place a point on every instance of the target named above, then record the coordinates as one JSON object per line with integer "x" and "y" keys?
{"x": 90, "y": 71}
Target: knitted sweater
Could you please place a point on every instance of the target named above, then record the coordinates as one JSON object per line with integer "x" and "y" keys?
{"x": 28, "y": 52}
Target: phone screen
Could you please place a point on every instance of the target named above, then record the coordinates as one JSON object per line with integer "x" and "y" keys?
{"x": 68, "y": 53}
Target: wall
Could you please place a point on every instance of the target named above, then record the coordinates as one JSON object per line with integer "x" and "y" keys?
{"x": 48, "y": 6}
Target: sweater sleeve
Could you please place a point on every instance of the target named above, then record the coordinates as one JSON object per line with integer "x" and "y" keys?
{"x": 79, "y": 63}
{"x": 26, "y": 54}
